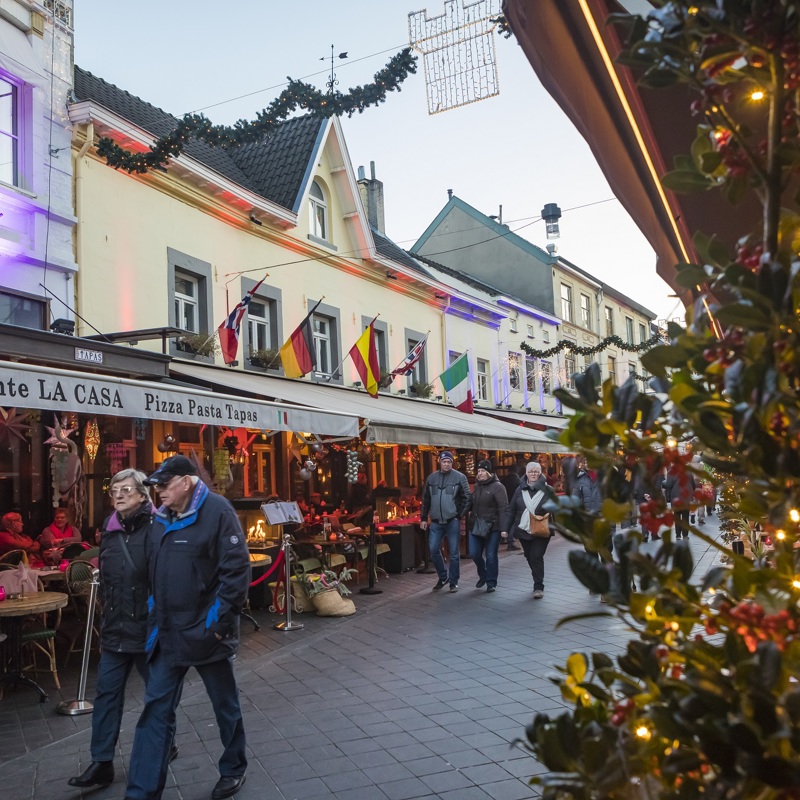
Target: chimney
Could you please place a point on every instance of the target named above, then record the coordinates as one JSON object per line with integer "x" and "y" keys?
{"x": 371, "y": 191}
{"x": 449, "y": 194}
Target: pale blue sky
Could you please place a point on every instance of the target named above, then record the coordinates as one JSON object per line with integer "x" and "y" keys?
{"x": 517, "y": 150}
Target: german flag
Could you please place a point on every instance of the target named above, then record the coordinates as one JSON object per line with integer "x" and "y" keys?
{"x": 298, "y": 355}
{"x": 365, "y": 357}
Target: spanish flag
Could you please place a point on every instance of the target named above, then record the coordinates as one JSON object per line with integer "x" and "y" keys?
{"x": 365, "y": 357}
{"x": 298, "y": 354}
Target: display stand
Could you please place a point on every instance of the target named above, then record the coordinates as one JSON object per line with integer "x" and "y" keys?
{"x": 370, "y": 588}
{"x": 74, "y": 708}
{"x": 288, "y": 624}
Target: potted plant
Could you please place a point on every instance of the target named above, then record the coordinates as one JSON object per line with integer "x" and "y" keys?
{"x": 199, "y": 344}
{"x": 266, "y": 357}
{"x": 422, "y": 389}
{"x": 386, "y": 379}
{"x": 327, "y": 592}
{"x": 704, "y": 700}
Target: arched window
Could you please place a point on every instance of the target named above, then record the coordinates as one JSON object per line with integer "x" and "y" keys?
{"x": 318, "y": 212}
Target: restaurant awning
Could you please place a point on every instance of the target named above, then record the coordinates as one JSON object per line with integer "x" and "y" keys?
{"x": 633, "y": 133}
{"x": 389, "y": 419}
{"x": 59, "y": 390}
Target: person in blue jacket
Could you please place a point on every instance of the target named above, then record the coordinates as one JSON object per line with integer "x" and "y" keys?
{"x": 199, "y": 575}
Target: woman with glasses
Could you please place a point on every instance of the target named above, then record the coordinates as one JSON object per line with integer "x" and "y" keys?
{"x": 13, "y": 538}
{"x": 124, "y": 589}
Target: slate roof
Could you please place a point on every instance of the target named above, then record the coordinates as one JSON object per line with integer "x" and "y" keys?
{"x": 387, "y": 248}
{"x": 462, "y": 276}
{"x": 273, "y": 168}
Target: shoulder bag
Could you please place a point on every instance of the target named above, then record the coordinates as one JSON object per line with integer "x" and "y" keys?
{"x": 539, "y": 524}
{"x": 481, "y": 528}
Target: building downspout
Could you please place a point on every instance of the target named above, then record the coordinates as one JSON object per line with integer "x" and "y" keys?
{"x": 78, "y": 207}
{"x": 445, "y": 365}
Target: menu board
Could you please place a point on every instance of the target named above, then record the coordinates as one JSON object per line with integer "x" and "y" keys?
{"x": 281, "y": 513}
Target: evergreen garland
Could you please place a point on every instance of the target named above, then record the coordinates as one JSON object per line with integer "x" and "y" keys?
{"x": 566, "y": 344}
{"x": 296, "y": 95}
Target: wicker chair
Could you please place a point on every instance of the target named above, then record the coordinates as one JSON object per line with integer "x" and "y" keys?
{"x": 78, "y": 577}
{"x": 39, "y": 638}
{"x": 14, "y": 557}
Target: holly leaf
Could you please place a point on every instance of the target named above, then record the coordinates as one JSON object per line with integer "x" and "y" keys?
{"x": 684, "y": 181}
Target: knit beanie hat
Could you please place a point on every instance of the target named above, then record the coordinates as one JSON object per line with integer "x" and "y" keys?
{"x": 445, "y": 454}
{"x": 487, "y": 465}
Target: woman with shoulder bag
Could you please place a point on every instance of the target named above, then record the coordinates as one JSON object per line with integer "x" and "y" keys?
{"x": 489, "y": 509}
{"x": 528, "y": 521}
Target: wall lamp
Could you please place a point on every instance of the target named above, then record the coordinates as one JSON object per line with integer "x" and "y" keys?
{"x": 438, "y": 397}
{"x": 508, "y": 407}
{"x": 401, "y": 391}
{"x": 440, "y": 296}
{"x": 498, "y": 405}
{"x": 392, "y": 276}
{"x": 357, "y": 384}
{"x": 65, "y": 326}
{"x": 254, "y": 218}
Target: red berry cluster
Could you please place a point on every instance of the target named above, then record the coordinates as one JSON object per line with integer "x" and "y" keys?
{"x": 652, "y": 515}
{"x": 754, "y": 625}
{"x": 734, "y": 158}
{"x": 750, "y": 255}
{"x": 623, "y": 710}
{"x": 727, "y": 349}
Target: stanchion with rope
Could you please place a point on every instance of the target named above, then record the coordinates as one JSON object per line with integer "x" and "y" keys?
{"x": 370, "y": 588}
{"x": 73, "y": 708}
{"x": 286, "y": 552}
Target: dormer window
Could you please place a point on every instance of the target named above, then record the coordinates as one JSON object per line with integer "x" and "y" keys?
{"x": 317, "y": 212}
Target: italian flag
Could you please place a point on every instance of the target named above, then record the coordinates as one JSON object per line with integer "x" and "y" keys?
{"x": 456, "y": 383}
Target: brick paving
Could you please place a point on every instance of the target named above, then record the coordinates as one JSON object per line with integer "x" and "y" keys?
{"x": 418, "y": 695}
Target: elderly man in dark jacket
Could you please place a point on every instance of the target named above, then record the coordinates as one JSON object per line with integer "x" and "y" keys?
{"x": 124, "y": 587}
{"x": 446, "y": 498}
{"x": 199, "y": 574}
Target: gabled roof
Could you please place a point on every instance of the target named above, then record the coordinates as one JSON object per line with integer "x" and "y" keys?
{"x": 388, "y": 249}
{"x": 462, "y": 276}
{"x": 274, "y": 168}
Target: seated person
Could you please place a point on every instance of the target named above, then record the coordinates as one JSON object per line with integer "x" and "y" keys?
{"x": 59, "y": 532}
{"x": 12, "y": 537}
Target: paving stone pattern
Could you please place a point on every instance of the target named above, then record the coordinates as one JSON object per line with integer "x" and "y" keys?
{"x": 420, "y": 694}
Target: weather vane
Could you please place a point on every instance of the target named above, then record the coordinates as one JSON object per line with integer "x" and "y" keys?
{"x": 333, "y": 82}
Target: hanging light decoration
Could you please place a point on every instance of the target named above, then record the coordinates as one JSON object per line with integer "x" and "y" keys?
{"x": 91, "y": 440}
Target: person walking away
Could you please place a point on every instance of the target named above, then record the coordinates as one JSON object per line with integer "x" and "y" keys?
{"x": 59, "y": 532}
{"x": 586, "y": 491}
{"x": 199, "y": 576}
{"x": 489, "y": 511}
{"x": 510, "y": 482}
{"x": 124, "y": 588}
{"x": 679, "y": 489}
{"x": 527, "y": 504}
{"x": 445, "y": 499}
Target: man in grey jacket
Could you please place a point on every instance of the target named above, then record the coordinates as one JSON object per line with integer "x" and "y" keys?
{"x": 446, "y": 499}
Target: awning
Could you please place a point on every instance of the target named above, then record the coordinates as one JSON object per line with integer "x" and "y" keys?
{"x": 389, "y": 420}
{"x": 30, "y": 386}
{"x": 634, "y": 134}
{"x": 525, "y": 417}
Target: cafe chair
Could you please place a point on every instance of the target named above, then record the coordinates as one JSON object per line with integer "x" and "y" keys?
{"x": 78, "y": 578}
{"x": 90, "y": 554}
{"x": 74, "y": 550}
{"x": 14, "y": 558}
{"x": 39, "y": 638}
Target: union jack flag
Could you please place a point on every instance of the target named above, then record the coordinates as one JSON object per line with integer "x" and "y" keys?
{"x": 229, "y": 330}
{"x": 410, "y": 361}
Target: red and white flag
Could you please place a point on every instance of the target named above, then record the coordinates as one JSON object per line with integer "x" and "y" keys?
{"x": 410, "y": 361}
{"x": 229, "y": 330}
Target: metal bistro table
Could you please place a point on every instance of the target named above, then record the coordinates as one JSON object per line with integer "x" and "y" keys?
{"x": 12, "y": 613}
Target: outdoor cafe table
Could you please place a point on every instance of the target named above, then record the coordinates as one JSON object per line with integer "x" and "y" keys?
{"x": 12, "y": 613}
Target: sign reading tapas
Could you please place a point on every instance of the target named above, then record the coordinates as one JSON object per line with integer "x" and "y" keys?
{"x": 28, "y": 386}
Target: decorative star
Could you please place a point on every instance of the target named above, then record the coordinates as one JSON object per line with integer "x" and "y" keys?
{"x": 12, "y": 424}
{"x": 60, "y": 433}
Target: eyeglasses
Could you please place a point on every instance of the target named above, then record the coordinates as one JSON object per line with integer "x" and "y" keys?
{"x": 121, "y": 491}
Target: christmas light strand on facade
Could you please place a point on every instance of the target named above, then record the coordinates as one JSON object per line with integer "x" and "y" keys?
{"x": 297, "y": 95}
{"x": 566, "y": 344}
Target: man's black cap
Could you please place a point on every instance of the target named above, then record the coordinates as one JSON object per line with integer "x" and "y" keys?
{"x": 172, "y": 467}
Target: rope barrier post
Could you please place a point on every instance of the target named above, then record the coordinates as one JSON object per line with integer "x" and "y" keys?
{"x": 288, "y": 624}
{"x": 370, "y": 588}
{"x": 74, "y": 708}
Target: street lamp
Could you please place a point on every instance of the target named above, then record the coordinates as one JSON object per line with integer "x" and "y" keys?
{"x": 551, "y": 213}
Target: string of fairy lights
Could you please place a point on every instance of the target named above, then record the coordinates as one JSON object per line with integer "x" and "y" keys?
{"x": 296, "y": 95}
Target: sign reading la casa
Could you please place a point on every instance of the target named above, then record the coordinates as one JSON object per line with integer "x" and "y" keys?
{"x": 59, "y": 390}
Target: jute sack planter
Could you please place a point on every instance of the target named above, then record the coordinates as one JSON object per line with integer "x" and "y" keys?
{"x": 300, "y": 600}
{"x": 331, "y": 604}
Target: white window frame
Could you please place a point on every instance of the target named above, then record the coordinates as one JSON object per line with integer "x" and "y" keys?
{"x": 318, "y": 217}
{"x": 586, "y": 311}
{"x": 566, "y": 303}
{"x": 546, "y": 336}
{"x": 482, "y": 379}
{"x": 546, "y": 381}
{"x": 612, "y": 368}
{"x": 530, "y": 374}
{"x": 609, "y": 320}
{"x": 259, "y": 334}
{"x": 514, "y": 371}
{"x": 531, "y": 332}
{"x": 631, "y": 368}
{"x": 13, "y": 135}
{"x": 512, "y": 324}
{"x": 642, "y": 333}
{"x": 629, "y": 329}
{"x": 184, "y": 301}
{"x": 569, "y": 370}
{"x": 322, "y": 343}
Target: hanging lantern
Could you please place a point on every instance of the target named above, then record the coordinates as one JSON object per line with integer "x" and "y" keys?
{"x": 91, "y": 440}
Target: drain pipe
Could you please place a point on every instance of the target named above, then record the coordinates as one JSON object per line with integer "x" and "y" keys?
{"x": 78, "y": 206}
{"x": 445, "y": 365}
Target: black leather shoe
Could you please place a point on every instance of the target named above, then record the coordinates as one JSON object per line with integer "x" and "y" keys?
{"x": 227, "y": 787}
{"x": 173, "y": 752}
{"x": 98, "y": 773}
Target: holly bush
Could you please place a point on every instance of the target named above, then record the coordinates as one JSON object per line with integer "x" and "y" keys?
{"x": 704, "y": 702}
